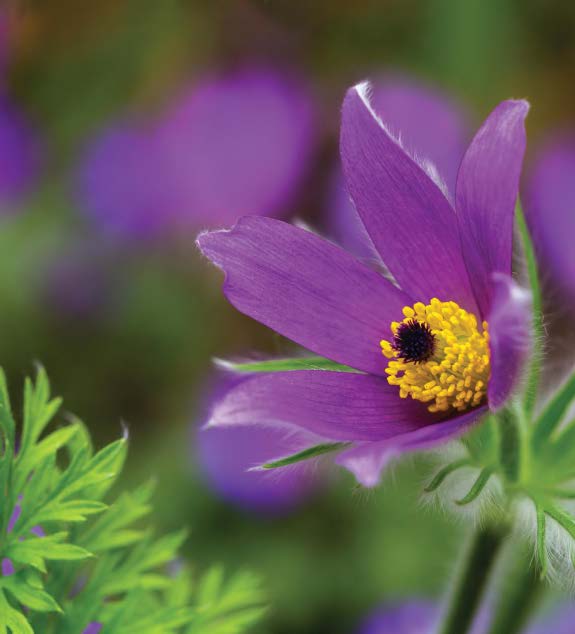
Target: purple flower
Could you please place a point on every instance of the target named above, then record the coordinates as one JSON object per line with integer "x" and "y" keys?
{"x": 550, "y": 203}
{"x": 429, "y": 126}
{"x": 93, "y": 628}
{"x": 413, "y": 617}
{"x": 422, "y": 617}
{"x": 238, "y": 144}
{"x": 226, "y": 456}
{"x": 454, "y": 329}
{"x": 559, "y": 621}
{"x": 19, "y": 155}
{"x": 122, "y": 185}
{"x": 230, "y": 145}
{"x": 19, "y": 147}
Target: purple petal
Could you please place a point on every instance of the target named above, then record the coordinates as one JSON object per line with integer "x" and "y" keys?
{"x": 19, "y": 155}
{"x": 550, "y": 206}
{"x": 429, "y": 125}
{"x": 93, "y": 628}
{"x": 307, "y": 289}
{"x": 239, "y": 144}
{"x": 334, "y": 405}
{"x": 509, "y": 338}
{"x": 122, "y": 184}
{"x": 406, "y": 214}
{"x": 368, "y": 460}
{"x": 413, "y": 617}
{"x": 487, "y": 189}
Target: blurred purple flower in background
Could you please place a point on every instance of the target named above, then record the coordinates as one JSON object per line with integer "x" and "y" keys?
{"x": 19, "y": 155}
{"x": 225, "y": 457}
{"x": 122, "y": 183}
{"x": 93, "y": 628}
{"x": 232, "y": 144}
{"x": 430, "y": 125}
{"x": 239, "y": 144}
{"x": 550, "y": 207}
{"x": 413, "y": 617}
{"x": 19, "y": 145}
{"x": 423, "y": 617}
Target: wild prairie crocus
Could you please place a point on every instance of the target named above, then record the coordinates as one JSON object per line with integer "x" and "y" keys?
{"x": 440, "y": 136}
{"x": 434, "y": 349}
{"x": 550, "y": 207}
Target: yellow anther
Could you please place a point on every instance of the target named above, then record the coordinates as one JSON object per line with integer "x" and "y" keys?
{"x": 456, "y": 375}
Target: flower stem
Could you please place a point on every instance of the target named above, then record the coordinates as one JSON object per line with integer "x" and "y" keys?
{"x": 518, "y": 598}
{"x": 514, "y": 449}
{"x": 471, "y": 580}
{"x": 537, "y": 324}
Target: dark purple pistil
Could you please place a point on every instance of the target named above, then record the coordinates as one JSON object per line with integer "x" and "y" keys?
{"x": 414, "y": 341}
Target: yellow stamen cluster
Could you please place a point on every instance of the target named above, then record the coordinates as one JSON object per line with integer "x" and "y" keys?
{"x": 456, "y": 374}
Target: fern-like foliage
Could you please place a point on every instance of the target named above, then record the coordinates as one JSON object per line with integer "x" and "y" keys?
{"x": 74, "y": 563}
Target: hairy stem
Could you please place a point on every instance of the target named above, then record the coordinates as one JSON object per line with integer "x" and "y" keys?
{"x": 517, "y": 598}
{"x": 471, "y": 580}
{"x": 537, "y": 324}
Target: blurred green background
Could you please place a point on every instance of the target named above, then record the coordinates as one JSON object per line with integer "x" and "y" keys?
{"x": 143, "y": 354}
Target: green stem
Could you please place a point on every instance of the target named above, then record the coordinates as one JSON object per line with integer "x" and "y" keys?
{"x": 514, "y": 442}
{"x": 471, "y": 580}
{"x": 518, "y": 598}
{"x": 533, "y": 275}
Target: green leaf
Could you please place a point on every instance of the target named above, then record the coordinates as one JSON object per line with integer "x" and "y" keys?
{"x": 477, "y": 488}
{"x": 71, "y": 511}
{"x": 562, "y": 518}
{"x": 7, "y": 424}
{"x": 36, "y": 550}
{"x": 554, "y": 411}
{"x": 541, "y": 533}
{"x": 34, "y": 598}
{"x": 442, "y": 474}
{"x": 284, "y": 365}
{"x": 131, "y": 565}
{"x": 226, "y": 608}
{"x": 306, "y": 454}
{"x": 13, "y": 619}
{"x": 38, "y": 409}
{"x": 532, "y": 383}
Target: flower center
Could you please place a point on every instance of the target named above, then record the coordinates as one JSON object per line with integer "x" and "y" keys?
{"x": 438, "y": 355}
